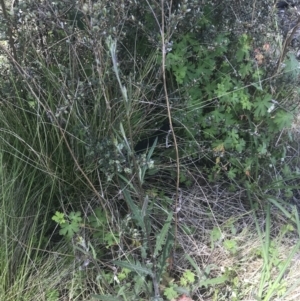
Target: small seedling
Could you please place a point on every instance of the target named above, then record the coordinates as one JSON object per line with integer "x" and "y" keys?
{"x": 69, "y": 225}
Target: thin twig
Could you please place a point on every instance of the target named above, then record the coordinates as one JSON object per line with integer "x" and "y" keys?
{"x": 164, "y": 42}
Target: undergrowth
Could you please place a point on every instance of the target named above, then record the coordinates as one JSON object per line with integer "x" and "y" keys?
{"x": 147, "y": 152}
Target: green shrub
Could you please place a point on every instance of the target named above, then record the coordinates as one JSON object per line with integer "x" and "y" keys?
{"x": 230, "y": 114}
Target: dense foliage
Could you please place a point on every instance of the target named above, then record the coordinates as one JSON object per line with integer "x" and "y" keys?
{"x": 110, "y": 101}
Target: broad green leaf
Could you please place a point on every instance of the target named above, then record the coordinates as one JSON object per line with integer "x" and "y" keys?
{"x": 243, "y": 49}
{"x": 170, "y": 293}
{"x": 245, "y": 101}
{"x": 283, "y": 119}
{"x": 188, "y": 276}
{"x": 232, "y": 173}
{"x": 133, "y": 267}
{"x": 136, "y": 211}
{"x": 75, "y": 217}
{"x": 99, "y": 219}
{"x": 245, "y": 69}
{"x": 261, "y": 105}
{"x": 69, "y": 229}
{"x": 111, "y": 239}
{"x": 291, "y": 65}
{"x": 180, "y": 74}
{"x": 262, "y": 149}
{"x": 59, "y": 217}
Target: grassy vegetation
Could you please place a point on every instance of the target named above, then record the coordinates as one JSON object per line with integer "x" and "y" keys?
{"x": 148, "y": 152}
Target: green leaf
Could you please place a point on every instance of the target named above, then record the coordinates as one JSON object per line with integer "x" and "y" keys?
{"x": 215, "y": 235}
{"x": 32, "y": 104}
{"x": 59, "y": 218}
{"x": 291, "y": 65}
{"x": 183, "y": 281}
{"x": 240, "y": 145}
{"x": 214, "y": 281}
{"x": 231, "y": 245}
{"x": 161, "y": 237}
{"x": 234, "y": 135}
{"x": 217, "y": 116}
{"x": 243, "y": 49}
{"x": 144, "y": 168}
{"x": 75, "y": 217}
{"x": 205, "y": 71}
{"x": 245, "y": 69}
{"x": 111, "y": 239}
{"x": 262, "y": 149}
{"x": 69, "y": 229}
{"x": 99, "y": 219}
{"x": 173, "y": 58}
{"x": 232, "y": 173}
{"x": 262, "y": 105}
{"x": 224, "y": 87}
{"x": 170, "y": 293}
{"x": 133, "y": 267}
{"x": 244, "y": 100}
{"x": 188, "y": 276}
{"x": 137, "y": 213}
{"x": 194, "y": 265}
{"x": 123, "y": 274}
{"x": 180, "y": 73}
{"x": 52, "y": 295}
{"x": 283, "y": 119}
